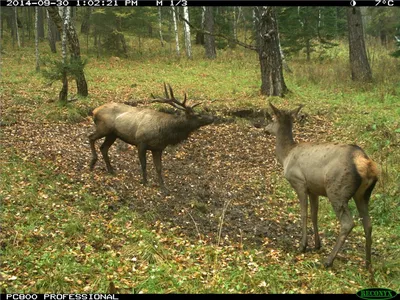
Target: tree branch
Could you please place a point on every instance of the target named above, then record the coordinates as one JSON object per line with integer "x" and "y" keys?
{"x": 231, "y": 40}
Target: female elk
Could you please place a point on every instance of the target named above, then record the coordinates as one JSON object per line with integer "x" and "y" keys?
{"x": 339, "y": 172}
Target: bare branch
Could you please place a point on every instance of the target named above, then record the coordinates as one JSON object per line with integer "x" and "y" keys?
{"x": 231, "y": 40}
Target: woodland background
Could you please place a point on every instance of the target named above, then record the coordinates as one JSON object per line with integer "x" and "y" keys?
{"x": 231, "y": 223}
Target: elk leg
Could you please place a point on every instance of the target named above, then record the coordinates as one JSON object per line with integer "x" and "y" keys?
{"x": 110, "y": 139}
{"x": 362, "y": 207}
{"x": 92, "y": 140}
{"x": 314, "y": 217}
{"x": 157, "y": 164}
{"x": 346, "y": 225}
{"x": 142, "y": 158}
{"x": 303, "y": 206}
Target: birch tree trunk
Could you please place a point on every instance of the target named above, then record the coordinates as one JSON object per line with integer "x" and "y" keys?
{"x": 37, "y": 39}
{"x": 74, "y": 48}
{"x": 256, "y": 25}
{"x": 160, "y": 26}
{"x": 188, "y": 44}
{"x": 66, "y": 19}
{"x": 234, "y": 23}
{"x": 16, "y": 27}
{"x": 360, "y": 68}
{"x": 178, "y": 52}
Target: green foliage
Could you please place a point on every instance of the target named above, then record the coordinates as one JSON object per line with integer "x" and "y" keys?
{"x": 307, "y": 27}
{"x": 384, "y": 23}
{"x": 397, "y": 52}
{"x": 57, "y": 68}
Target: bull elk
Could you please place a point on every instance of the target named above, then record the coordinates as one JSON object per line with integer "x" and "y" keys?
{"x": 145, "y": 128}
{"x": 339, "y": 172}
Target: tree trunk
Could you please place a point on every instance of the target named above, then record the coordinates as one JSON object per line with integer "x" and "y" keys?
{"x": 51, "y": 34}
{"x": 383, "y": 37}
{"x": 160, "y": 26}
{"x": 236, "y": 17}
{"x": 63, "y": 95}
{"x": 199, "y": 34}
{"x": 360, "y": 69}
{"x": 23, "y": 22}
{"x": 209, "y": 40}
{"x": 74, "y": 48}
{"x": 30, "y": 22}
{"x": 1, "y": 27}
{"x": 188, "y": 43}
{"x": 37, "y": 38}
{"x": 85, "y": 26}
{"x": 121, "y": 38}
{"x": 178, "y": 52}
{"x": 256, "y": 25}
{"x": 273, "y": 83}
{"x": 41, "y": 24}
{"x": 16, "y": 27}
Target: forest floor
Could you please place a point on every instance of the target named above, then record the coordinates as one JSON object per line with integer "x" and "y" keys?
{"x": 230, "y": 224}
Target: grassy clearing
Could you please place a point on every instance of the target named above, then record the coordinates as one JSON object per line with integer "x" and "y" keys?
{"x": 57, "y": 236}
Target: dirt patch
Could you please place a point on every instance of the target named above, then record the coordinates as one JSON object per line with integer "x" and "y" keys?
{"x": 220, "y": 180}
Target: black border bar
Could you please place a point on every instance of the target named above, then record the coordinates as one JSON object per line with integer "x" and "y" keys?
{"x": 166, "y": 3}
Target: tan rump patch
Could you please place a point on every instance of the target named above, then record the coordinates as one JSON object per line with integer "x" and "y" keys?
{"x": 366, "y": 167}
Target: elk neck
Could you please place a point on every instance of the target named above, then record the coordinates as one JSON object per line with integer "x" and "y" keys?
{"x": 177, "y": 129}
{"x": 284, "y": 142}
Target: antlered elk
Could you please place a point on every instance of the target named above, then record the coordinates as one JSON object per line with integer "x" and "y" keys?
{"x": 339, "y": 172}
{"x": 145, "y": 128}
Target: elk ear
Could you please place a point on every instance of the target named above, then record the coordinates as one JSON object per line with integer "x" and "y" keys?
{"x": 276, "y": 111}
{"x": 295, "y": 111}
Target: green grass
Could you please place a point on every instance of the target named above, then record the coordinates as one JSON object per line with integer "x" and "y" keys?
{"x": 60, "y": 237}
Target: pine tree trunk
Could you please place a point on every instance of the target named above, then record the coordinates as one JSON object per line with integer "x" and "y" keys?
{"x": 37, "y": 39}
{"x": 41, "y": 23}
{"x": 273, "y": 83}
{"x": 308, "y": 49}
{"x": 50, "y": 34}
{"x": 1, "y": 26}
{"x": 74, "y": 48}
{"x": 16, "y": 27}
{"x": 209, "y": 40}
{"x": 360, "y": 69}
{"x": 178, "y": 52}
{"x": 23, "y": 27}
{"x": 199, "y": 34}
{"x": 85, "y": 26}
{"x": 188, "y": 43}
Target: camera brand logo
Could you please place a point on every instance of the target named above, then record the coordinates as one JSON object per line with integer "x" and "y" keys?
{"x": 376, "y": 293}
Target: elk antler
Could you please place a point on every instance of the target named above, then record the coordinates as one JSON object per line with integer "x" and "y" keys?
{"x": 170, "y": 99}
